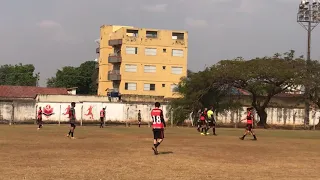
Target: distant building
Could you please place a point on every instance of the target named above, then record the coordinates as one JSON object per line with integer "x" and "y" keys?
{"x": 141, "y": 61}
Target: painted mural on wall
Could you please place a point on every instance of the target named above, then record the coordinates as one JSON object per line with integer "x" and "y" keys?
{"x": 48, "y": 111}
{"x": 89, "y": 112}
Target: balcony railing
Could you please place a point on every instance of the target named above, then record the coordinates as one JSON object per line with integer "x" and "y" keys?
{"x": 97, "y": 50}
{"x": 114, "y": 75}
{"x": 114, "y": 58}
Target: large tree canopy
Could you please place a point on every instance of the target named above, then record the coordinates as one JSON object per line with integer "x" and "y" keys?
{"x": 263, "y": 78}
{"x": 18, "y": 75}
{"x": 83, "y": 77}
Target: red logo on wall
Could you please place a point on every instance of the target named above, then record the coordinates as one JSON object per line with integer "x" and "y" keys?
{"x": 48, "y": 111}
{"x": 66, "y": 111}
{"x": 90, "y": 112}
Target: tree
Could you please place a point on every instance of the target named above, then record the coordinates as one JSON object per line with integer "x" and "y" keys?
{"x": 18, "y": 75}
{"x": 314, "y": 84}
{"x": 262, "y": 77}
{"x": 200, "y": 90}
{"x": 83, "y": 77}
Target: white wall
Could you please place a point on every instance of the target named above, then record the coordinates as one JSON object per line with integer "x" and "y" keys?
{"x": 90, "y": 110}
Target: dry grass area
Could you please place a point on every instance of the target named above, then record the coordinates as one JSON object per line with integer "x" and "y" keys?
{"x": 125, "y": 153}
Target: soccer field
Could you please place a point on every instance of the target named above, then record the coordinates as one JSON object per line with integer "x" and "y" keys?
{"x": 125, "y": 153}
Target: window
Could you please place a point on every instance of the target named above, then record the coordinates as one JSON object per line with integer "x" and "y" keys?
{"x": 132, "y": 33}
{"x": 149, "y": 69}
{"x": 149, "y": 87}
{"x": 176, "y": 70}
{"x": 164, "y": 50}
{"x": 177, "y": 52}
{"x": 130, "y": 68}
{"x": 151, "y": 34}
{"x": 150, "y": 51}
{"x": 130, "y": 86}
{"x": 163, "y": 67}
{"x": 131, "y": 50}
{"x": 177, "y": 36}
{"x": 174, "y": 87}
{"x": 163, "y": 85}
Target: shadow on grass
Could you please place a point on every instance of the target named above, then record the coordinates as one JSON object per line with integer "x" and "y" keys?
{"x": 166, "y": 152}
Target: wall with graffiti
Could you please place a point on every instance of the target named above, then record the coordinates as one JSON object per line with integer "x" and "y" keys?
{"x": 90, "y": 111}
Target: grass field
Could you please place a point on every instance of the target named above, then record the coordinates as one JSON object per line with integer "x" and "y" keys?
{"x": 125, "y": 153}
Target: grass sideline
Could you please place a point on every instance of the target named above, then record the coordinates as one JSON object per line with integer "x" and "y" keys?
{"x": 125, "y": 153}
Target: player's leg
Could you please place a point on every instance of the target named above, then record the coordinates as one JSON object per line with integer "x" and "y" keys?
{"x": 72, "y": 131}
{"x": 245, "y": 133}
{"x": 155, "y": 141}
{"x": 208, "y": 126}
{"x": 253, "y": 134}
{"x": 139, "y": 122}
{"x": 214, "y": 128}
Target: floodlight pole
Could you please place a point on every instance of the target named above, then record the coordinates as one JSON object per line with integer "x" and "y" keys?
{"x": 308, "y": 17}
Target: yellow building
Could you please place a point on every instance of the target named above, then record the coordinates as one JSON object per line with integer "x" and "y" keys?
{"x": 139, "y": 61}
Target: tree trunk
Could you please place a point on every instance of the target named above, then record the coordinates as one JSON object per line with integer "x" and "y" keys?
{"x": 263, "y": 118}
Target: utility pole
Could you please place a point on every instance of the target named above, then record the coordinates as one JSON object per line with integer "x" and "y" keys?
{"x": 308, "y": 17}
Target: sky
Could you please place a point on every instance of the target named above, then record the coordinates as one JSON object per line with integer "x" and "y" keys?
{"x": 54, "y": 33}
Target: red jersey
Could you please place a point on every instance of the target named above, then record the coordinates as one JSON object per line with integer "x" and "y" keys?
{"x": 39, "y": 114}
{"x": 203, "y": 115}
{"x": 157, "y": 118}
{"x": 102, "y": 113}
{"x": 249, "y": 118}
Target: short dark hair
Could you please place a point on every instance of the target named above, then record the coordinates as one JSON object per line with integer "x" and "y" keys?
{"x": 249, "y": 109}
{"x": 157, "y": 104}
{"x": 73, "y": 103}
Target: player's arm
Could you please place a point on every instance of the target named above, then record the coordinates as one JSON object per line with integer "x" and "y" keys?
{"x": 162, "y": 119}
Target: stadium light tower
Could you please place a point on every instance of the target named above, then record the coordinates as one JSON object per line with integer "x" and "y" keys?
{"x": 308, "y": 17}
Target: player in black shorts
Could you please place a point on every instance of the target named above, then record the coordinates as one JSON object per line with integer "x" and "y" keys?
{"x": 158, "y": 125}
{"x": 72, "y": 118}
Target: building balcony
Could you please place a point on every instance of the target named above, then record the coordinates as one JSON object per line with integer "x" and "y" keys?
{"x": 114, "y": 58}
{"x": 115, "y": 42}
{"x": 97, "y": 50}
{"x": 114, "y": 75}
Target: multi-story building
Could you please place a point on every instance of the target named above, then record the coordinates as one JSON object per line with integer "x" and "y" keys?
{"x": 141, "y": 61}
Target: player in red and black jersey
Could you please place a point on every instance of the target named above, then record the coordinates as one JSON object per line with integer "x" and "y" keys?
{"x": 203, "y": 120}
{"x": 249, "y": 124}
{"x": 72, "y": 118}
{"x": 158, "y": 126}
{"x": 39, "y": 118}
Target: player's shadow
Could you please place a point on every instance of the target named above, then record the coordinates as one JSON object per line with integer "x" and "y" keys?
{"x": 166, "y": 152}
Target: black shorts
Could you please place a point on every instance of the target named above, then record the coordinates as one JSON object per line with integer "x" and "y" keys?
{"x": 39, "y": 121}
{"x": 158, "y": 133}
{"x": 249, "y": 127}
{"x": 101, "y": 118}
{"x": 211, "y": 123}
{"x": 73, "y": 125}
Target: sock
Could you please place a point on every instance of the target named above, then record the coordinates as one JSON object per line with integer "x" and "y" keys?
{"x": 157, "y": 144}
{"x": 214, "y": 130}
{"x": 39, "y": 126}
{"x": 254, "y": 136}
{"x": 206, "y": 130}
{"x": 243, "y": 136}
{"x": 202, "y": 130}
{"x": 71, "y": 134}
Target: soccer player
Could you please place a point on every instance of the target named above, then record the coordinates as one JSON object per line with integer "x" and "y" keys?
{"x": 139, "y": 118}
{"x": 249, "y": 125}
{"x": 102, "y": 116}
{"x": 203, "y": 119}
{"x": 39, "y": 118}
{"x": 199, "y": 120}
{"x": 211, "y": 121}
{"x": 158, "y": 126}
{"x": 72, "y": 118}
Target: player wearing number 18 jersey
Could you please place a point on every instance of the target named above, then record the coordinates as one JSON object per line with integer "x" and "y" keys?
{"x": 158, "y": 126}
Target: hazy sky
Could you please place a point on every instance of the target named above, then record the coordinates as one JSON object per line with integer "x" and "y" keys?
{"x": 55, "y": 33}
